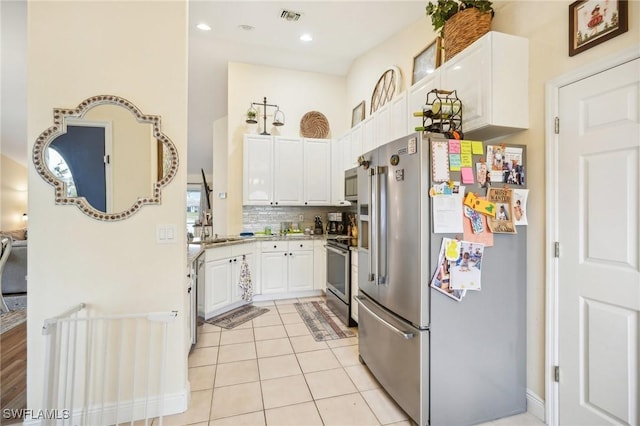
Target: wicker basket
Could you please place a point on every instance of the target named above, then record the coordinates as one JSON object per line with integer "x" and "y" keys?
{"x": 464, "y": 28}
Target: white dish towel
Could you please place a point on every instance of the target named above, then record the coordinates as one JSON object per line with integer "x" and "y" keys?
{"x": 245, "y": 281}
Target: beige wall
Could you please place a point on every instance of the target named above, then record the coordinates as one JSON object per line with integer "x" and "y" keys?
{"x": 136, "y": 50}
{"x": 13, "y": 194}
{"x": 296, "y": 92}
{"x": 545, "y": 24}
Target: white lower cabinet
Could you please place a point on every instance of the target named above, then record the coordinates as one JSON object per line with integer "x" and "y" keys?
{"x": 354, "y": 285}
{"x": 286, "y": 266}
{"x": 222, "y": 277}
{"x": 320, "y": 265}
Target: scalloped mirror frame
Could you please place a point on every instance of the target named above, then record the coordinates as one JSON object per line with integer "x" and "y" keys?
{"x": 59, "y": 128}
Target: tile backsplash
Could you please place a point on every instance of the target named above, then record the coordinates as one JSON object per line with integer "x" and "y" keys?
{"x": 256, "y": 218}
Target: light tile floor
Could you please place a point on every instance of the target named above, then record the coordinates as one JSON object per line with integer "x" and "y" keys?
{"x": 270, "y": 371}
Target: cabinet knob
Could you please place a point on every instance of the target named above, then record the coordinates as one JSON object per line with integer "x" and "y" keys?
{"x": 275, "y": 246}
{"x": 285, "y": 254}
{"x": 235, "y": 260}
{"x": 300, "y": 245}
{"x": 290, "y": 254}
{"x": 305, "y": 203}
{"x": 271, "y": 202}
{"x": 229, "y": 260}
{"x": 276, "y": 203}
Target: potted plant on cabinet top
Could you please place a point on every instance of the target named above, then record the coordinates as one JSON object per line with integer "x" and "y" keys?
{"x": 461, "y": 22}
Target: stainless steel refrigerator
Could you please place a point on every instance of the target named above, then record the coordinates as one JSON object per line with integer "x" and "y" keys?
{"x": 444, "y": 362}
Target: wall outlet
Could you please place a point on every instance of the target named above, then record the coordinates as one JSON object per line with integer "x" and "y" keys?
{"x": 300, "y": 218}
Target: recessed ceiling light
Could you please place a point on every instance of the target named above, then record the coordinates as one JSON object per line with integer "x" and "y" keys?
{"x": 246, "y": 27}
{"x": 306, "y": 37}
{"x": 204, "y": 27}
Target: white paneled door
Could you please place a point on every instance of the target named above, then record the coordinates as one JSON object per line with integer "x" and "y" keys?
{"x": 599, "y": 262}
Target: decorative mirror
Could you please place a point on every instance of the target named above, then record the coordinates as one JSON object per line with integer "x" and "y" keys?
{"x": 106, "y": 157}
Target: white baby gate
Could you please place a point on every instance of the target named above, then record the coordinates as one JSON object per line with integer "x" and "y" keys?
{"x": 104, "y": 370}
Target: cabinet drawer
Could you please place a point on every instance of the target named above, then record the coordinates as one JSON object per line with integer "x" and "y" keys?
{"x": 217, "y": 253}
{"x": 244, "y": 248}
{"x": 300, "y": 245}
{"x": 270, "y": 246}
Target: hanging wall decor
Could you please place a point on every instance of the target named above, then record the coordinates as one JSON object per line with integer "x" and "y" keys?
{"x": 594, "y": 22}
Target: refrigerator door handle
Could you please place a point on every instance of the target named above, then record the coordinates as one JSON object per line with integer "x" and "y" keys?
{"x": 372, "y": 224}
{"x": 381, "y": 242}
{"x": 405, "y": 334}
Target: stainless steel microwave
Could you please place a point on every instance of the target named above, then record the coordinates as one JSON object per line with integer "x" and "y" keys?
{"x": 351, "y": 184}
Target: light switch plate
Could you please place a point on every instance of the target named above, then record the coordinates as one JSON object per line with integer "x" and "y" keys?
{"x": 166, "y": 234}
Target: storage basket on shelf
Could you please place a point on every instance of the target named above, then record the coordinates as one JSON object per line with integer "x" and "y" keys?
{"x": 463, "y": 28}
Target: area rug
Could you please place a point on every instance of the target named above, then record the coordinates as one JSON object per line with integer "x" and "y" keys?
{"x": 12, "y": 319}
{"x": 321, "y": 322}
{"x": 16, "y": 302}
{"x": 236, "y": 316}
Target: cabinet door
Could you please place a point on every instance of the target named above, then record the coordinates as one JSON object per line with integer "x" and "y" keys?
{"x": 235, "y": 280}
{"x": 356, "y": 146}
{"x": 300, "y": 270}
{"x": 274, "y": 272}
{"x": 469, "y": 73}
{"x": 218, "y": 285}
{"x": 417, "y": 98}
{"x": 383, "y": 125}
{"x": 369, "y": 133}
{"x": 288, "y": 172}
{"x": 398, "y": 117}
{"x": 257, "y": 170}
{"x": 337, "y": 170}
{"x": 319, "y": 265}
{"x": 317, "y": 172}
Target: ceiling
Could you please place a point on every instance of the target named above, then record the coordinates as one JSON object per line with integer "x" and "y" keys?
{"x": 341, "y": 31}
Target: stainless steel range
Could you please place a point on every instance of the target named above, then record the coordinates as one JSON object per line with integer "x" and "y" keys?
{"x": 339, "y": 277}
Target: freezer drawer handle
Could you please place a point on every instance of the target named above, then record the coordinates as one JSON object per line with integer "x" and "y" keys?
{"x": 406, "y": 335}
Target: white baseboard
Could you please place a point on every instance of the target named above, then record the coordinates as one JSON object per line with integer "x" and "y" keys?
{"x": 535, "y": 405}
{"x": 291, "y": 295}
{"x": 127, "y": 411}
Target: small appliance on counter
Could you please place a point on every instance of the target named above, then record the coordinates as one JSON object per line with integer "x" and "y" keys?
{"x": 336, "y": 223}
{"x": 319, "y": 227}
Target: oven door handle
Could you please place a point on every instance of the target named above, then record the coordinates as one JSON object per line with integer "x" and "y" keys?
{"x": 405, "y": 334}
{"x": 337, "y": 250}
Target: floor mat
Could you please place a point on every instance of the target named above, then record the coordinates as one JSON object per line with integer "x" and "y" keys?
{"x": 12, "y": 319}
{"x": 321, "y": 322}
{"x": 237, "y": 316}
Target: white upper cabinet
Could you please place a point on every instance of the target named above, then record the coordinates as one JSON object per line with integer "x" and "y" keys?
{"x": 317, "y": 172}
{"x": 356, "y": 146}
{"x": 283, "y": 171}
{"x": 288, "y": 187}
{"x": 258, "y": 170}
{"x": 338, "y": 160}
{"x": 491, "y": 78}
{"x": 398, "y": 117}
{"x": 369, "y": 136}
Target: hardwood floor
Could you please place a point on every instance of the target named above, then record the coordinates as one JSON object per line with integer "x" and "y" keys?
{"x": 13, "y": 371}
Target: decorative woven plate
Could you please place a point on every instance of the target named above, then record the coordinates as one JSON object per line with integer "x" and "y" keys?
{"x": 314, "y": 125}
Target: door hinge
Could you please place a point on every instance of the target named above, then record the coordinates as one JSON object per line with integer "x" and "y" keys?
{"x": 556, "y": 373}
{"x": 556, "y": 249}
{"x": 107, "y": 159}
{"x": 557, "y": 125}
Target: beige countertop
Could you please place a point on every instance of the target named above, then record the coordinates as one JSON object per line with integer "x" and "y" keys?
{"x": 194, "y": 249}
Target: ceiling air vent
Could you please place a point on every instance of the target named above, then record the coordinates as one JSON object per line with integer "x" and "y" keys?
{"x": 289, "y": 15}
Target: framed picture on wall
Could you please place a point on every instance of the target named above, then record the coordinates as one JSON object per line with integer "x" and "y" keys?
{"x": 427, "y": 61}
{"x": 594, "y": 22}
{"x": 358, "y": 114}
